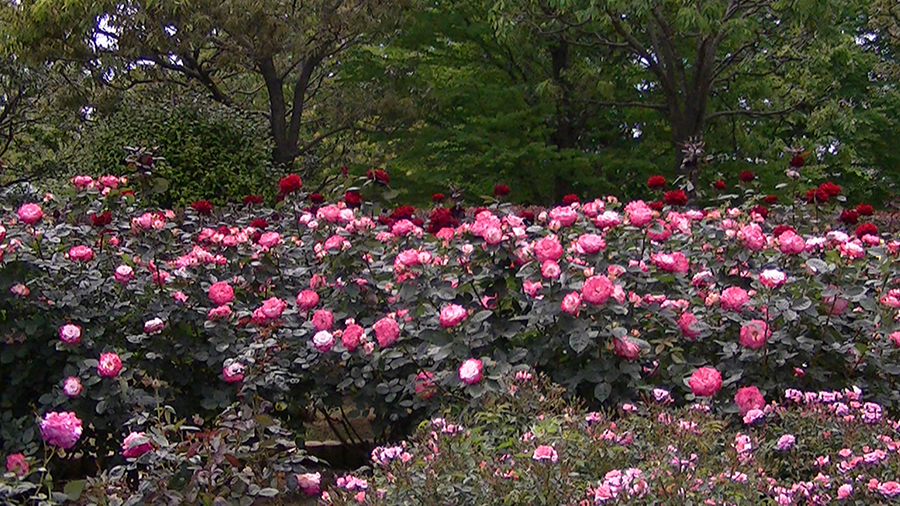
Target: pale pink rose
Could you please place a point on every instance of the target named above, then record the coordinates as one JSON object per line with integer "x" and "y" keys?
{"x": 72, "y": 387}
{"x": 351, "y": 336}
{"x": 834, "y": 305}
{"x": 685, "y": 322}
{"x": 570, "y": 303}
{"x": 323, "y": 341}
{"x": 852, "y": 250}
{"x": 772, "y": 278}
{"x": 70, "y": 334}
{"x": 271, "y": 309}
{"x": 81, "y": 253}
{"x": 387, "y": 330}
{"x": 402, "y": 228}
{"x": 638, "y": 213}
{"x": 603, "y": 493}
{"x": 123, "y": 274}
{"x": 269, "y": 239}
{"x": 309, "y": 483}
{"x": 110, "y": 181}
{"x": 596, "y": 290}
{"x": 16, "y": 463}
{"x": 20, "y": 290}
{"x": 670, "y": 262}
{"x": 790, "y": 243}
{"x": 492, "y": 235}
{"x": 135, "y": 444}
{"x": 61, "y": 429}
{"x": 233, "y": 372}
{"x": 754, "y": 334}
{"x": 608, "y": 219}
{"x": 470, "y": 371}
{"x": 532, "y": 289}
{"x": 895, "y": 338}
{"x": 218, "y": 313}
{"x": 889, "y": 488}
{"x": 323, "y": 319}
{"x": 625, "y": 348}
{"x": 331, "y": 214}
{"x": 589, "y": 244}
{"x": 547, "y": 248}
{"x": 733, "y": 298}
{"x": 705, "y": 382}
{"x": 752, "y": 237}
{"x": 844, "y": 491}
{"x": 748, "y": 398}
{"x": 545, "y": 452}
{"x": 154, "y": 325}
{"x": 451, "y": 315}
{"x": 82, "y": 182}
{"x": 565, "y": 216}
{"x": 30, "y": 213}
{"x": 550, "y": 269}
{"x": 891, "y": 298}
{"x": 109, "y": 365}
{"x": 221, "y": 293}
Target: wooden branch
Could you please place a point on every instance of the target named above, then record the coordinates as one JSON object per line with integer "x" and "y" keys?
{"x": 641, "y": 105}
{"x": 753, "y": 114}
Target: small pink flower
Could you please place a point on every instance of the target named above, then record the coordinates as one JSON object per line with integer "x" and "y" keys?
{"x": 30, "y": 213}
{"x": 61, "y": 429}
{"x": 589, "y": 244}
{"x": 451, "y": 315}
{"x": 20, "y": 290}
{"x": 844, "y": 491}
{"x": 269, "y": 239}
{"x": 109, "y": 365}
{"x": 685, "y": 322}
{"x": 16, "y": 463}
{"x": 754, "y": 334}
{"x": 387, "y": 330}
{"x": 70, "y": 334}
{"x": 705, "y": 382}
{"x": 790, "y": 243}
{"x": 670, "y": 262}
{"x": 218, "y": 313}
{"x": 307, "y": 299}
{"x": 323, "y": 320}
{"x": 72, "y": 387}
{"x": 123, "y": 274}
{"x": 323, "y": 341}
{"x": 153, "y": 326}
{"x": 271, "y": 309}
{"x": 772, "y": 278}
{"x": 625, "y": 348}
{"x": 135, "y": 444}
{"x": 470, "y": 371}
{"x": 221, "y": 293}
{"x": 545, "y": 452}
{"x": 570, "y": 303}
{"x": 233, "y": 372}
{"x": 532, "y": 289}
{"x": 889, "y": 488}
{"x": 81, "y": 253}
{"x": 309, "y": 483}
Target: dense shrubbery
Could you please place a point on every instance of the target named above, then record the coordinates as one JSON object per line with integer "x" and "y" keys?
{"x": 112, "y": 309}
{"x": 527, "y": 445}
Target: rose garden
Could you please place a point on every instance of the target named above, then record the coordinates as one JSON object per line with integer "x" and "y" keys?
{"x": 596, "y": 352}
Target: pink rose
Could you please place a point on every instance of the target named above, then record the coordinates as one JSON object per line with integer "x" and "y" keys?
{"x": 135, "y": 444}
{"x": 790, "y": 243}
{"x": 81, "y": 253}
{"x": 754, "y": 334}
{"x": 638, "y": 213}
{"x": 323, "y": 320}
{"x": 30, "y": 213}
{"x": 16, "y": 463}
{"x": 20, "y": 290}
{"x": 70, "y": 334}
{"x": 625, "y": 348}
{"x": 154, "y": 325}
{"x": 218, "y": 313}
{"x": 596, "y": 290}
{"x": 307, "y": 299}
{"x": 705, "y": 382}
{"x": 72, "y": 387}
{"x": 685, "y": 322}
{"x": 550, "y": 269}
{"x": 752, "y": 237}
{"x": 424, "y": 384}
{"x": 221, "y": 293}
{"x": 110, "y": 181}
{"x": 570, "y": 303}
{"x": 309, "y": 483}
{"x": 351, "y": 336}
{"x": 470, "y": 371}
{"x": 733, "y": 298}
{"x": 772, "y": 278}
{"x": 565, "y": 216}
{"x": 109, "y": 365}
{"x": 891, "y": 298}
{"x": 608, "y": 219}
{"x": 748, "y": 398}
{"x": 670, "y": 262}
{"x": 532, "y": 289}
{"x": 269, "y": 239}
{"x": 547, "y": 248}
{"x": 589, "y": 244}
{"x": 233, "y": 372}
{"x": 61, "y": 429}
{"x": 323, "y": 341}
{"x": 451, "y": 315}
{"x": 545, "y": 452}
{"x": 889, "y": 488}
{"x": 387, "y": 330}
{"x": 844, "y": 491}
{"x": 271, "y": 309}
{"x": 123, "y": 274}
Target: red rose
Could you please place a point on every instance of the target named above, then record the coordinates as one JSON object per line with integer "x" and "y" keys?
{"x": 849, "y": 216}
{"x": 570, "y": 199}
{"x": 252, "y": 199}
{"x": 259, "y": 223}
{"x": 719, "y": 185}
{"x": 289, "y": 184}
{"x": 501, "y": 190}
{"x": 675, "y": 198}
{"x": 656, "y": 206}
{"x": 353, "y": 199}
{"x": 438, "y": 198}
{"x": 102, "y": 219}
{"x": 865, "y": 210}
{"x": 379, "y": 176}
{"x": 656, "y": 182}
{"x": 798, "y": 161}
{"x": 202, "y": 206}
{"x": 527, "y": 216}
{"x": 746, "y": 176}
{"x": 441, "y": 217}
{"x": 866, "y": 229}
{"x": 780, "y": 229}
{"x": 760, "y": 210}
{"x": 830, "y": 189}
{"x": 403, "y": 213}
{"x": 316, "y": 198}
{"x": 771, "y": 199}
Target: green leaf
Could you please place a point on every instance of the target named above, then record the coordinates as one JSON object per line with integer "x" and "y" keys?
{"x": 73, "y": 489}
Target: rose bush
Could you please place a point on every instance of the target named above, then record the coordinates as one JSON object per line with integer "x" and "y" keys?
{"x": 314, "y": 305}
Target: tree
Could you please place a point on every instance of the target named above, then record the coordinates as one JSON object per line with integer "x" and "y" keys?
{"x": 277, "y": 58}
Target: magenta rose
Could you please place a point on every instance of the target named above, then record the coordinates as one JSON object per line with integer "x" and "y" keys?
{"x": 221, "y": 293}
{"x": 387, "y": 330}
{"x": 81, "y": 253}
{"x": 685, "y": 322}
{"x": 61, "y": 429}
{"x": 754, "y": 334}
{"x": 233, "y": 372}
{"x": 351, "y": 336}
{"x": 308, "y": 299}
{"x": 109, "y": 365}
{"x": 70, "y": 334}
{"x": 451, "y": 315}
{"x": 16, "y": 463}
{"x": 596, "y": 290}
{"x": 547, "y": 248}
{"x": 550, "y": 269}
{"x": 748, "y": 398}
{"x": 323, "y": 320}
{"x": 733, "y": 298}
{"x": 638, "y": 213}
{"x": 271, "y": 309}
{"x": 135, "y": 444}
{"x": 705, "y": 382}
{"x": 30, "y": 213}
{"x": 269, "y": 239}
{"x": 470, "y": 371}
{"x": 72, "y": 387}
{"x": 218, "y": 313}
{"x": 670, "y": 262}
